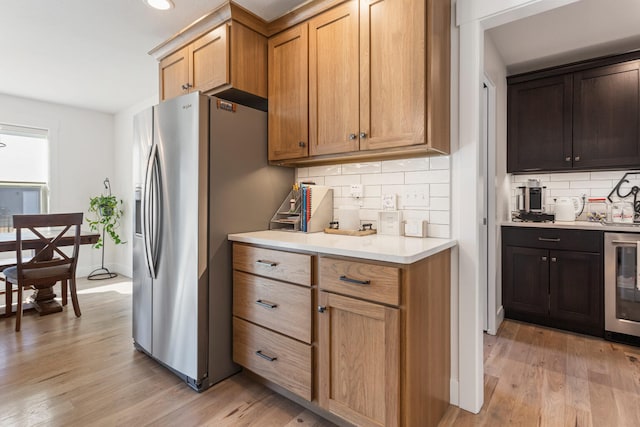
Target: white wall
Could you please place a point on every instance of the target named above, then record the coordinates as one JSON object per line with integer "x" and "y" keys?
{"x": 81, "y": 156}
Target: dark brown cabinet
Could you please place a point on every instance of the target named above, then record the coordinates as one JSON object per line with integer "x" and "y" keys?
{"x": 553, "y": 277}
{"x": 575, "y": 117}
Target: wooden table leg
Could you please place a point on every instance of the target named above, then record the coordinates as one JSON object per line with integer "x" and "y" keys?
{"x": 44, "y": 302}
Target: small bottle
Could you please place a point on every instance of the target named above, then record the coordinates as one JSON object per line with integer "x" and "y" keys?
{"x": 616, "y": 212}
{"x": 627, "y": 213}
{"x": 292, "y": 202}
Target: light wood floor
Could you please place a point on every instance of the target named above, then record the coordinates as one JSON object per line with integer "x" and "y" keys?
{"x": 64, "y": 371}
{"x": 536, "y": 376}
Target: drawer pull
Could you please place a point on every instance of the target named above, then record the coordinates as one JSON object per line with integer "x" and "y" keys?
{"x": 265, "y": 357}
{"x": 267, "y": 263}
{"x": 356, "y": 281}
{"x": 266, "y": 304}
{"x": 545, "y": 239}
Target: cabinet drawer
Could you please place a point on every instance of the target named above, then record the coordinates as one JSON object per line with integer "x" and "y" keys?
{"x": 553, "y": 238}
{"x": 287, "y": 266}
{"x": 275, "y": 357}
{"x": 367, "y": 281}
{"x": 275, "y": 305}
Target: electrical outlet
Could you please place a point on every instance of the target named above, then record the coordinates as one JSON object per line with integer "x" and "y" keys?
{"x": 356, "y": 191}
{"x": 389, "y": 201}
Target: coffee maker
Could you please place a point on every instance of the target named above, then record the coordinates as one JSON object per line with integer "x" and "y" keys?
{"x": 531, "y": 202}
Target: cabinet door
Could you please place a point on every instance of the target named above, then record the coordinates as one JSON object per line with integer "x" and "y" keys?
{"x": 359, "y": 364}
{"x": 333, "y": 77}
{"x": 525, "y": 282}
{"x": 209, "y": 60}
{"x": 289, "y": 94}
{"x": 576, "y": 291}
{"x": 539, "y": 125}
{"x": 392, "y": 73}
{"x": 607, "y": 116}
{"x": 248, "y": 60}
{"x": 174, "y": 74}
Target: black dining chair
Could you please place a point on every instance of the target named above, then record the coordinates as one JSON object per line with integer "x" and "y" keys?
{"x": 49, "y": 263}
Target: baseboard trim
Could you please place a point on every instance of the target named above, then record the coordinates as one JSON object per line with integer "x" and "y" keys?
{"x": 454, "y": 395}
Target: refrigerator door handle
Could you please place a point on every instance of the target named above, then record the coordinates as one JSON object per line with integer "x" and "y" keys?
{"x": 146, "y": 211}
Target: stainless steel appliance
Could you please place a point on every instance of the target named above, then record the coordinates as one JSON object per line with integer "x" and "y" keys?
{"x": 201, "y": 172}
{"x": 622, "y": 287}
{"x": 531, "y": 203}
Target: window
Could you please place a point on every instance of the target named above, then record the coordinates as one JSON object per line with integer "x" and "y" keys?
{"x": 24, "y": 175}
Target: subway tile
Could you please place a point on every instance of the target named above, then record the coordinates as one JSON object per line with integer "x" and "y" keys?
{"x": 614, "y": 175}
{"x": 325, "y": 170}
{"x": 428, "y": 177}
{"x": 406, "y": 165}
{"x": 368, "y": 215}
{"x": 439, "y": 204}
{"x": 573, "y": 192}
{"x": 525, "y": 178}
{"x": 439, "y": 217}
{"x": 337, "y": 191}
{"x": 372, "y": 190}
{"x": 437, "y": 230}
{"x": 570, "y": 176}
{"x": 558, "y": 184}
{"x": 439, "y": 190}
{"x": 361, "y": 168}
{"x": 439, "y": 162}
{"x": 317, "y": 180}
{"x": 593, "y": 184}
{"x": 415, "y": 215}
{"x": 392, "y": 189}
{"x": 383, "y": 178}
{"x": 301, "y": 173}
{"x": 344, "y": 201}
{"x": 335, "y": 180}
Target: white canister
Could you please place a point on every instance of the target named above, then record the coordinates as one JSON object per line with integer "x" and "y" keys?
{"x": 616, "y": 212}
{"x": 349, "y": 217}
{"x": 627, "y": 213}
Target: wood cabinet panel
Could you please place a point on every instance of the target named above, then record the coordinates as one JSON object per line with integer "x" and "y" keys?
{"x": 174, "y": 73}
{"x": 275, "y": 305}
{"x": 248, "y": 60}
{"x": 576, "y": 294}
{"x": 539, "y": 127}
{"x": 209, "y": 60}
{"x": 282, "y": 360}
{"x": 392, "y": 73}
{"x": 606, "y": 120}
{"x": 372, "y": 282}
{"x": 289, "y": 94}
{"x": 359, "y": 360}
{"x": 333, "y": 72}
{"x": 526, "y": 280}
{"x": 287, "y": 266}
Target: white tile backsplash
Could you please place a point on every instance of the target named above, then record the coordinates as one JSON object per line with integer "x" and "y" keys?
{"x": 571, "y": 184}
{"x": 420, "y": 184}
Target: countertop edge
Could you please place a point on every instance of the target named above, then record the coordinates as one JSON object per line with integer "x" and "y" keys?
{"x": 575, "y": 225}
{"x": 443, "y": 244}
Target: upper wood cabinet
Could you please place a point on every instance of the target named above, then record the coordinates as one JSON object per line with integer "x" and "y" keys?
{"x": 580, "y": 116}
{"x": 289, "y": 94}
{"x": 230, "y": 58}
{"x": 378, "y": 82}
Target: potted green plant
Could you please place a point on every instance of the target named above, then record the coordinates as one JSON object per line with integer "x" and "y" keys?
{"x": 104, "y": 216}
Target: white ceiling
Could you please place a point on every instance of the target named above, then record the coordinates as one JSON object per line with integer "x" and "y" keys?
{"x": 580, "y": 30}
{"x": 93, "y": 54}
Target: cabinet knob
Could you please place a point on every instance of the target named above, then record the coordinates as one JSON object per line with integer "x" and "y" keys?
{"x": 352, "y": 136}
{"x": 302, "y": 144}
{"x": 322, "y": 309}
{"x": 363, "y": 135}
{"x": 576, "y": 158}
{"x": 186, "y": 86}
{"x": 544, "y": 258}
{"x": 554, "y": 259}
{"x": 567, "y": 159}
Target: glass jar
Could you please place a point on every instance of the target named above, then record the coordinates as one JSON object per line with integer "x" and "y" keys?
{"x": 597, "y": 209}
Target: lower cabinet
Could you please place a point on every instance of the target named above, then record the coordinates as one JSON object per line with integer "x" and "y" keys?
{"x": 379, "y": 353}
{"x": 554, "y": 278}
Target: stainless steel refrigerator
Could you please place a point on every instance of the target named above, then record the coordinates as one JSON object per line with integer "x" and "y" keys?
{"x": 200, "y": 173}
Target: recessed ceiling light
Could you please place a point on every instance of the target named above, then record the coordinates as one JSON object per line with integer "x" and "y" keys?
{"x": 159, "y": 4}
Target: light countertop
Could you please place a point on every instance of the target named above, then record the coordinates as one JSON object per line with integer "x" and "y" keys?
{"x": 401, "y": 250}
{"x": 578, "y": 225}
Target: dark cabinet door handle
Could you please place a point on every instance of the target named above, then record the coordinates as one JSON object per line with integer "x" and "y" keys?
{"x": 546, "y": 239}
{"x": 567, "y": 159}
{"x": 322, "y": 309}
{"x": 302, "y": 144}
{"x": 267, "y": 263}
{"x": 356, "y": 281}
{"x": 265, "y": 357}
{"x": 266, "y": 304}
{"x": 544, "y": 258}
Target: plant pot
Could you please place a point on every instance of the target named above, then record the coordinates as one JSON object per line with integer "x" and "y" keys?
{"x": 106, "y": 211}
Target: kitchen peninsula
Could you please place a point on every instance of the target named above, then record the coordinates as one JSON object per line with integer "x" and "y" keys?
{"x": 328, "y": 320}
